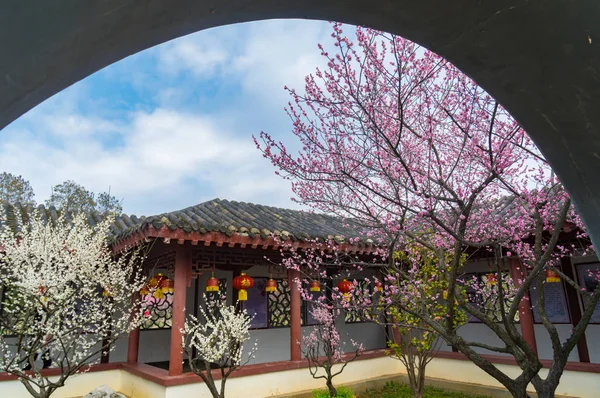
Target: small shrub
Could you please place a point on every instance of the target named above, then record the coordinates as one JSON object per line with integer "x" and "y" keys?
{"x": 342, "y": 392}
{"x": 397, "y": 390}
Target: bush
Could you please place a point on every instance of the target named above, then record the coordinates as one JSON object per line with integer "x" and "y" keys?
{"x": 342, "y": 392}
{"x": 397, "y": 390}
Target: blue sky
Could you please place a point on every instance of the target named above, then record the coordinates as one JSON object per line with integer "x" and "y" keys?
{"x": 172, "y": 126}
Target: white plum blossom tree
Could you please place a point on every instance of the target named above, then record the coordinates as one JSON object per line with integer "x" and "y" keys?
{"x": 217, "y": 339}
{"x": 67, "y": 298}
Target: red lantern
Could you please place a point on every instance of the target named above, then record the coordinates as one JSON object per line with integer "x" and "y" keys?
{"x": 552, "y": 276}
{"x": 314, "y": 286}
{"x": 144, "y": 290}
{"x": 271, "y": 285}
{"x": 212, "y": 284}
{"x": 345, "y": 287}
{"x": 156, "y": 280}
{"x": 491, "y": 279}
{"x": 158, "y": 285}
{"x": 377, "y": 287}
{"x": 243, "y": 282}
{"x": 167, "y": 285}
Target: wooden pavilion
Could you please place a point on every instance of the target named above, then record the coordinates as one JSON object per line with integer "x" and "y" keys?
{"x": 224, "y": 238}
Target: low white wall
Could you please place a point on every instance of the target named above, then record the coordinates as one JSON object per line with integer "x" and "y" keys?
{"x": 289, "y": 381}
{"x": 575, "y": 384}
{"x": 76, "y": 386}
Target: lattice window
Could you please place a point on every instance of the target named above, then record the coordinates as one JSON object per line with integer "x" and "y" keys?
{"x": 279, "y": 305}
{"x": 488, "y": 304}
{"x": 354, "y": 315}
{"x": 13, "y": 319}
{"x": 157, "y": 309}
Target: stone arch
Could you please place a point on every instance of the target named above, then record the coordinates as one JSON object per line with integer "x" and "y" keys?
{"x": 540, "y": 59}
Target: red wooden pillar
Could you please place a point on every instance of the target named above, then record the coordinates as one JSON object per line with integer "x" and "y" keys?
{"x": 133, "y": 346}
{"x": 183, "y": 265}
{"x": 574, "y": 308}
{"x": 517, "y": 273}
{"x": 295, "y": 327}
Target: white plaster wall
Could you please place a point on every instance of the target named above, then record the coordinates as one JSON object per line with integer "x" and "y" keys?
{"x": 592, "y": 333}
{"x": 119, "y": 353}
{"x": 477, "y": 332}
{"x": 155, "y": 345}
{"x": 544, "y": 345}
{"x": 370, "y": 335}
{"x": 480, "y": 333}
{"x": 273, "y": 345}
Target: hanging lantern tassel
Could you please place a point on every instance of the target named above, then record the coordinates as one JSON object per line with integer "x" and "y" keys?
{"x": 315, "y": 286}
{"x": 271, "y": 285}
{"x": 242, "y": 283}
{"x": 552, "y": 276}
{"x": 212, "y": 284}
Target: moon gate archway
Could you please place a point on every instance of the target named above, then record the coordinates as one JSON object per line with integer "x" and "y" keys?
{"x": 540, "y": 59}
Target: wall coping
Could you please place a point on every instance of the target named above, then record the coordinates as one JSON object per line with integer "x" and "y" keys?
{"x": 161, "y": 376}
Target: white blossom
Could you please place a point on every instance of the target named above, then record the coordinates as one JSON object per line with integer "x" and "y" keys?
{"x": 218, "y": 338}
{"x": 64, "y": 294}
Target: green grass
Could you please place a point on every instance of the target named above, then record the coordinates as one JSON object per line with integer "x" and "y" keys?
{"x": 342, "y": 392}
{"x": 396, "y": 390}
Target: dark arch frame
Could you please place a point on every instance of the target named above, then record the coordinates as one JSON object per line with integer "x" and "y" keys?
{"x": 539, "y": 58}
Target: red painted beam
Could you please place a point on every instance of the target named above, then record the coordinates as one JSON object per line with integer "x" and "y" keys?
{"x": 217, "y": 237}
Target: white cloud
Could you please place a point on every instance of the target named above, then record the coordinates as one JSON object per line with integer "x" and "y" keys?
{"x": 263, "y": 56}
{"x": 175, "y": 154}
{"x": 161, "y": 151}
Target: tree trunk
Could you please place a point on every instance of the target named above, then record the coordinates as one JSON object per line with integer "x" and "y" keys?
{"x": 210, "y": 383}
{"x": 519, "y": 391}
{"x": 331, "y": 388}
{"x": 420, "y": 380}
{"x": 546, "y": 388}
{"x": 223, "y": 380}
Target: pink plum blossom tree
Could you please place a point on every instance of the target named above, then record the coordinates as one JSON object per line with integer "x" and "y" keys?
{"x": 416, "y": 156}
{"x": 324, "y": 348}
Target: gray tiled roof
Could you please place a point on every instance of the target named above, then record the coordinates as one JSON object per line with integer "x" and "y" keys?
{"x": 251, "y": 219}
{"x": 216, "y": 215}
